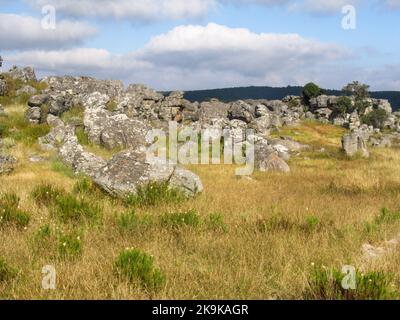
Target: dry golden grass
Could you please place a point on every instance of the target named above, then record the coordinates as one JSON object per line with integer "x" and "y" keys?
{"x": 246, "y": 261}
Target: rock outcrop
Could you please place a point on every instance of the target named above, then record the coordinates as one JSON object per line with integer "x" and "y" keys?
{"x": 7, "y": 163}
{"x": 355, "y": 143}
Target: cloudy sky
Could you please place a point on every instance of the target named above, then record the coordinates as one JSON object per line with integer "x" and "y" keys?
{"x": 198, "y": 44}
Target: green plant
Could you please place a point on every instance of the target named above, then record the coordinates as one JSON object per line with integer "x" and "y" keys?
{"x": 71, "y": 208}
{"x": 73, "y": 114}
{"x": 376, "y": 118}
{"x": 82, "y": 136}
{"x": 6, "y": 271}
{"x": 58, "y": 166}
{"x": 70, "y": 245}
{"x": 357, "y": 89}
{"x": 387, "y": 216}
{"x": 311, "y": 90}
{"x": 326, "y": 284}
{"x": 111, "y": 105}
{"x": 10, "y": 212}
{"x": 46, "y": 194}
{"x": 154, "y": 193}
{"x": 136, "y": 265}
{"x": 84, "y": 186}
{"x": 215, "y": 221}
{"x": 312, "y": 223}
{"x": 344, "y": 105}
{"x": 275, "y": 223}
{"x": 175, "y": 220}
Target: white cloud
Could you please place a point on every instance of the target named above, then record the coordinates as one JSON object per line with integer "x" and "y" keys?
{"x": 393, "y": 3}
{"x": 321, "y": 7}
{"x": 25, "y": 32}
{"x": 190, "y": 57}
{"x": 134, "y": 10}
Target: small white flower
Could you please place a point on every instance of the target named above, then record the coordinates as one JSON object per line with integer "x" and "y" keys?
{"x": 64, "y": 244}
{"x": 312, "y": 264}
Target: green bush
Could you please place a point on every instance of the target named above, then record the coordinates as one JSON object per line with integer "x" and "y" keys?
{"x": 82, "y": 136}
{"x": 84, "y": 186}
{"x": 215, "y": 221}
{"x": 136, "y": 265}
{"x": 326, "y": 284}
{"x": 76, "y": 112}
{"x": 58, "y": 166}
{"x": 70, "y": 208}
{"x": 70, "y": 245}
{"x": 312, "y": 223}
{"x": 46, "y": 194}
{"x": 153, "y": 194}
{"x": 6, "y": 271}
{"x": 175, "y": 220}
{"x": 376, "y": 118}
{"x": 311, "y": 90}
{"x": 344, "y": 105}
{"x": 10, "y": 213}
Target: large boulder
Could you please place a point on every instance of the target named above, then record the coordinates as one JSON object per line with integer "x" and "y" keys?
{"x": 266, "y": 158}
{"x": 27, "y": 89}
{"x": 241, "y": 110}
{"x": 354, "y": 143}
{"x": 129, "y": 170}
{"x": 213, "y": 109}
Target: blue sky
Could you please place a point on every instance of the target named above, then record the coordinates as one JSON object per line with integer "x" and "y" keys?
{"x": 197, "y": 44}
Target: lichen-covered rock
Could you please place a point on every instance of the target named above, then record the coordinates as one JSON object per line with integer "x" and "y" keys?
{"x": 266, "y": 158}
{"x": 3, "y": 87}
{"x": 7, "y": 164}
{"x": 354, "y": 143}
{"x": 24, "y": 74}
{"x": 213, "y": 109}
{"x": 33, "y": 115}
{"x": 29, "y": 90}
{"x": 240, "y": 110}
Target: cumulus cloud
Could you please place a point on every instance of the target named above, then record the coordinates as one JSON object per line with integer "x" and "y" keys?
{"x": 24, "y": 32}
{"x": 190, "y": 57}
{"x": 321, "y": 7}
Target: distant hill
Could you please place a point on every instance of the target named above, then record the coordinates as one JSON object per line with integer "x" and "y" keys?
{"x": 270, "y": 93}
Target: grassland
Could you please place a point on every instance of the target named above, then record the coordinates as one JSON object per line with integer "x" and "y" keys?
{"x": 267, "y": 237}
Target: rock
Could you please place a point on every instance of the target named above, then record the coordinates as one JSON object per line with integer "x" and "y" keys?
{"x": 3, "y": 87}
{"x": 186, "y": 181}
{"x": 36, "y": 159}
{"x": 262, "y": 125}
{"x": 381, "y": 142}
{"x": 33, "y": 115}
{"x": 129, "y": 170}
{"x": 323, "y": 113}
{"x": 382, "y": 104}
{"x": 290, "y": 144}
{"x": 319, "y": 102}
{"x": 213, "y": 110}
{"x": 144, "y": 92}
{"x": 354, "y": 121}
{"x": 38, "y": 100}
{"x": 274, "y": 163}
{"x": 354, "y": 143}
{"x": 25, "y": 74}
{"x": 29, "y": 90}
{"x": 7, "y": 164}
{"x": 240, "y": 110}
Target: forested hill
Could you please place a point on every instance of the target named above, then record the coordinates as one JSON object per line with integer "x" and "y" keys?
{"x": 270, "y": 93}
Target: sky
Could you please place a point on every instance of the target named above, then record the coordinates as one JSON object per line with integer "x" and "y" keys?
{"x": 205, "y": 44}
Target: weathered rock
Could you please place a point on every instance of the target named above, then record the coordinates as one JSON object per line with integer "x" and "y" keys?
{"x": 29, "y": 90}
{"x": 24, "y": 74}
{"x": 213, "y": 109}
{"x": 266, "y": 158}
{"x": 240, "y": 110}
{"x": 38, "y": 100}
{"x": 33, "y": 115}
{"x": 7, "y": 164}
{"x": 354, "y": 143}
{"x": 3, "y": 87}
{"x": 132, "y": 169}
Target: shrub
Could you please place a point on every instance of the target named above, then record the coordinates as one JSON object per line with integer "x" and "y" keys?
{"x": 275, "y": 223}
{"x": 84, "y": 186}
{"x": 344, "y": 105}
{"x": 46, "y": 194}
{"x": 175, "y": 220}
{"x": 376, "y": 118}
{"x": 76, "y": 112}
{"x": 357, "y": 89}
{"x": 10, "y": 212}
{"x": 70, "y": 208}
{"x": 6, "y": 271}
{"x": 136, "y": 265}
{"x": 311, "y": 90}
{"x": 325, "y": 284}
{"x": 312, "y": 223}
{"x": 153, "y": 194}
{"x": 82, "y": 136}
{"x": 70, "y": 245}
{"x": 215, "y": 221}
{"x": 387, "y": 216}
{"x": 111, "y": 105}
{"x": 58, "y": 166}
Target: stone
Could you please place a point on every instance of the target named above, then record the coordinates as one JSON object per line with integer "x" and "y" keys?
{"x": 24, "y": 74}
{"x": 213, "y": 109}
{"x": 274, "y": 163}
{"x": 7, "y": 164}
{"x": 3, "y": 87}
{"x": 29, "y": 90}
{"x": 186, "y": 181}
{"x": 240, "y": 110}
{"x": 38, "y": 100}
{"x": 354, "y": 143}
{"x": 33, "y": 115}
